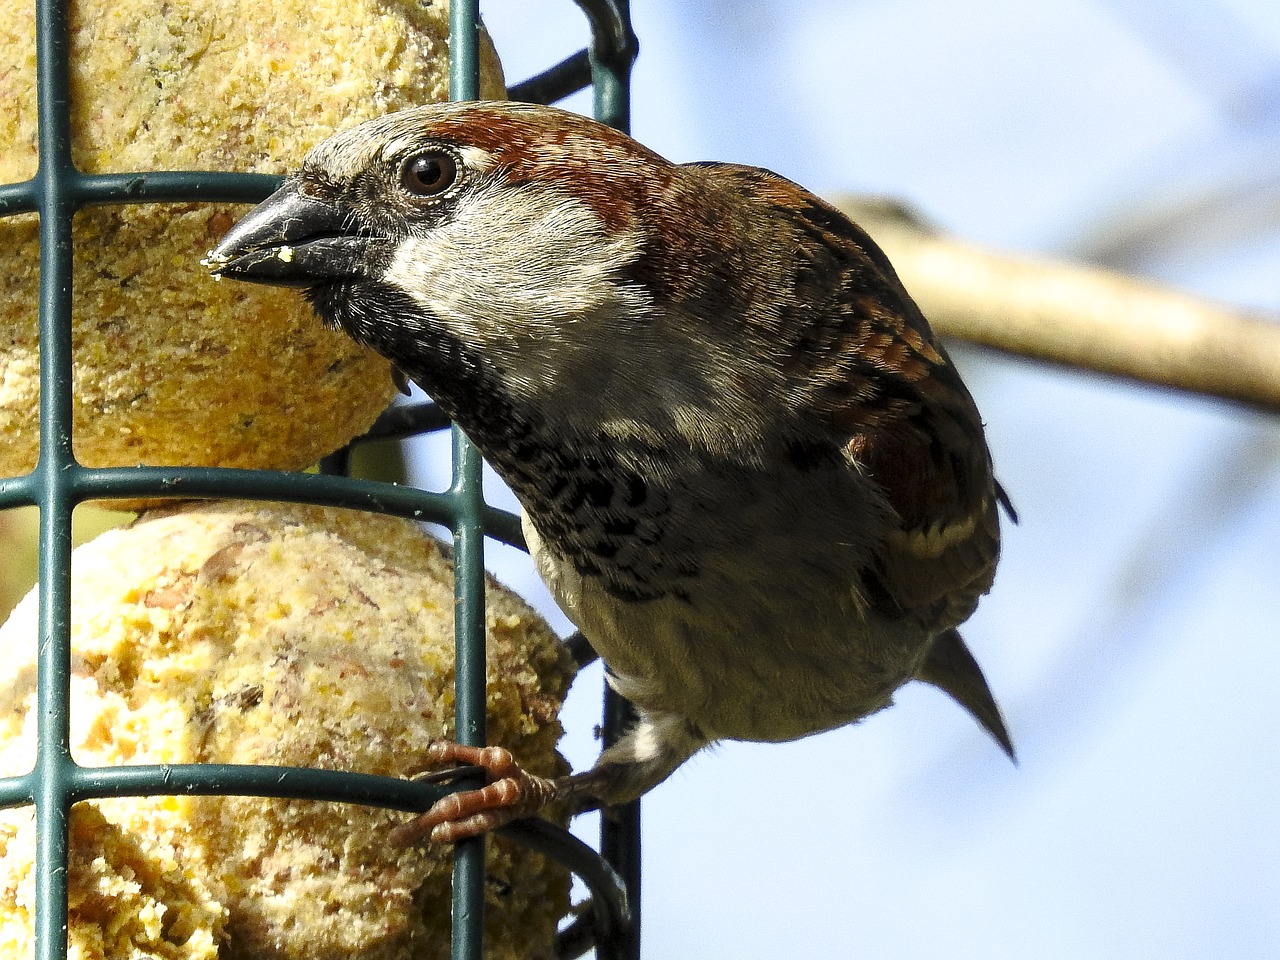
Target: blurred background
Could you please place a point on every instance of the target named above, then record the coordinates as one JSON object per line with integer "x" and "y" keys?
{"x": 1131, "y": 636}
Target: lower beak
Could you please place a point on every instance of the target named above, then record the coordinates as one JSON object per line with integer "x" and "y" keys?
{"x": 290, "y": 240}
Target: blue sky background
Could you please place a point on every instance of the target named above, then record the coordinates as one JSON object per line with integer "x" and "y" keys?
{"x": 1131, "y": 635}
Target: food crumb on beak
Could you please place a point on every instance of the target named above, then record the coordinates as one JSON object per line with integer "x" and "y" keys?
{"x": 212, "y": 262}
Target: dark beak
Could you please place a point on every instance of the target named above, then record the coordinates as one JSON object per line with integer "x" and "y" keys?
{"x": 292, "y": 240}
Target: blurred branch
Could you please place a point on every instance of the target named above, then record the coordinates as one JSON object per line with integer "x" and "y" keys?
{"x": 1078, "y": 316}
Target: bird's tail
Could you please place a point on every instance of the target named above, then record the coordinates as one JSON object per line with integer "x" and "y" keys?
{"x": 950, "y": 667}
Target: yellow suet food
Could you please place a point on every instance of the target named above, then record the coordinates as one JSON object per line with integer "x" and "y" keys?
{"x": 273, "y": 634}
{"x": 172, "y": 368}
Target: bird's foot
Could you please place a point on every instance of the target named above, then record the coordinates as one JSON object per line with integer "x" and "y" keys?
{"x": 510, "y": 794}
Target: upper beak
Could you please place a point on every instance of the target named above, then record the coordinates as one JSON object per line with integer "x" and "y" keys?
{"x": 291, "y": 240}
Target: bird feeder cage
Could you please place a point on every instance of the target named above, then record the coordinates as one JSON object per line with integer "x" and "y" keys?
{"x": 59, "y": 483}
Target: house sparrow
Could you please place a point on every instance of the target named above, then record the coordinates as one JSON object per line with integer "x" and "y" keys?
{"x": 750, "y": 474}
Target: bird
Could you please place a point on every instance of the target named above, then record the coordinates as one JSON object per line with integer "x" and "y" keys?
{"x": 748, "y": 470}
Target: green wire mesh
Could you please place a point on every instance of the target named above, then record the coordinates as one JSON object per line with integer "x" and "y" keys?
{"x": 59, "y": 483}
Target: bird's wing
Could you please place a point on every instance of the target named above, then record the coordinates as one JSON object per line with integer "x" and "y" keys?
{"x": 878, "y": 386}
{"x": 929, "y": 457}
{"x": 873, "y": 380}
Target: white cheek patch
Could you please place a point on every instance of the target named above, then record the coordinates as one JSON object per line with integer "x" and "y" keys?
{"x": 534, "y": 281}
{"x": 511, "y": 262}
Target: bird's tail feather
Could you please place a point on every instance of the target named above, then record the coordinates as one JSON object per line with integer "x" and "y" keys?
{"x": 950, "y": 667}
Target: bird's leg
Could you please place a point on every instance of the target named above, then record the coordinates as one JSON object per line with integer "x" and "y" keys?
{"x": 642, "y": 759}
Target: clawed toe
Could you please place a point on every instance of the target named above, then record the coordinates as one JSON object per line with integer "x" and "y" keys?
{"x": 511, "y": 793}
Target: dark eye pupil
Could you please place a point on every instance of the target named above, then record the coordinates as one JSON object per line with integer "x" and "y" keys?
{"x": 430, "y": 173}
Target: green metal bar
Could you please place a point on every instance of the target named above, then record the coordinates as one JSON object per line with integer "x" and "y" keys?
{"x": 222, "y": 482}
{"x": 567, "y": 77}
{"x": 469, "y": 683}
{"x": 470, "y": 712}
{"x": 19, "y": 197}
{"x": 19, "y": 491}
{"x": 56, "y": 205}
{"x": 256, "y": 780}
{"x": 175, "y": 186}
{"x": 613, "y": 51}
{"x": 468, "y": 538}
{"x": 160, "y": 186}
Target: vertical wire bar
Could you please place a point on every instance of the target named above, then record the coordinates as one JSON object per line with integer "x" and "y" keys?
{"x": 469, "y": 683}
{"x": 56, "y": 204}
{"x": 468, "y": 537}
{"x": 611, "y": 80}
{"x": 619, "y": 826}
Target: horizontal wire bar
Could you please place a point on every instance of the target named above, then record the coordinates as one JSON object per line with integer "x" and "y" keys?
{"x": 19, "y": 491}
{"x": 159, "y": 186}
{"x": 107, "y": 483}
{"x": 258, "y": 780}
{"x": 19, "y": 197}
{"x": 220, "y": 483}
{"x": 17, "y": 791}
{"x": 175, "y": 186}
{"x": 328, "y": 786}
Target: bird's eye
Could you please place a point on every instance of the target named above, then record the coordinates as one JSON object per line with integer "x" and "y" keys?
{"x": 429, "y": 174}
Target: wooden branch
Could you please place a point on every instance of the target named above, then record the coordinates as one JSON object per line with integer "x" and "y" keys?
{"x": 1076, "y": 315}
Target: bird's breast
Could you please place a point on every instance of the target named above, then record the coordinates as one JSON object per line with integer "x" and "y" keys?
{"x": 733, "y": 603}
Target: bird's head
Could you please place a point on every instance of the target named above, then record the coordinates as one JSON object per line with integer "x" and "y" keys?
{"x": 501, "y": 231}
{"x": 521, "y": 250}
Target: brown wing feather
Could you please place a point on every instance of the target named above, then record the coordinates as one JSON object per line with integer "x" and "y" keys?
{"x": 873, "y": 375}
